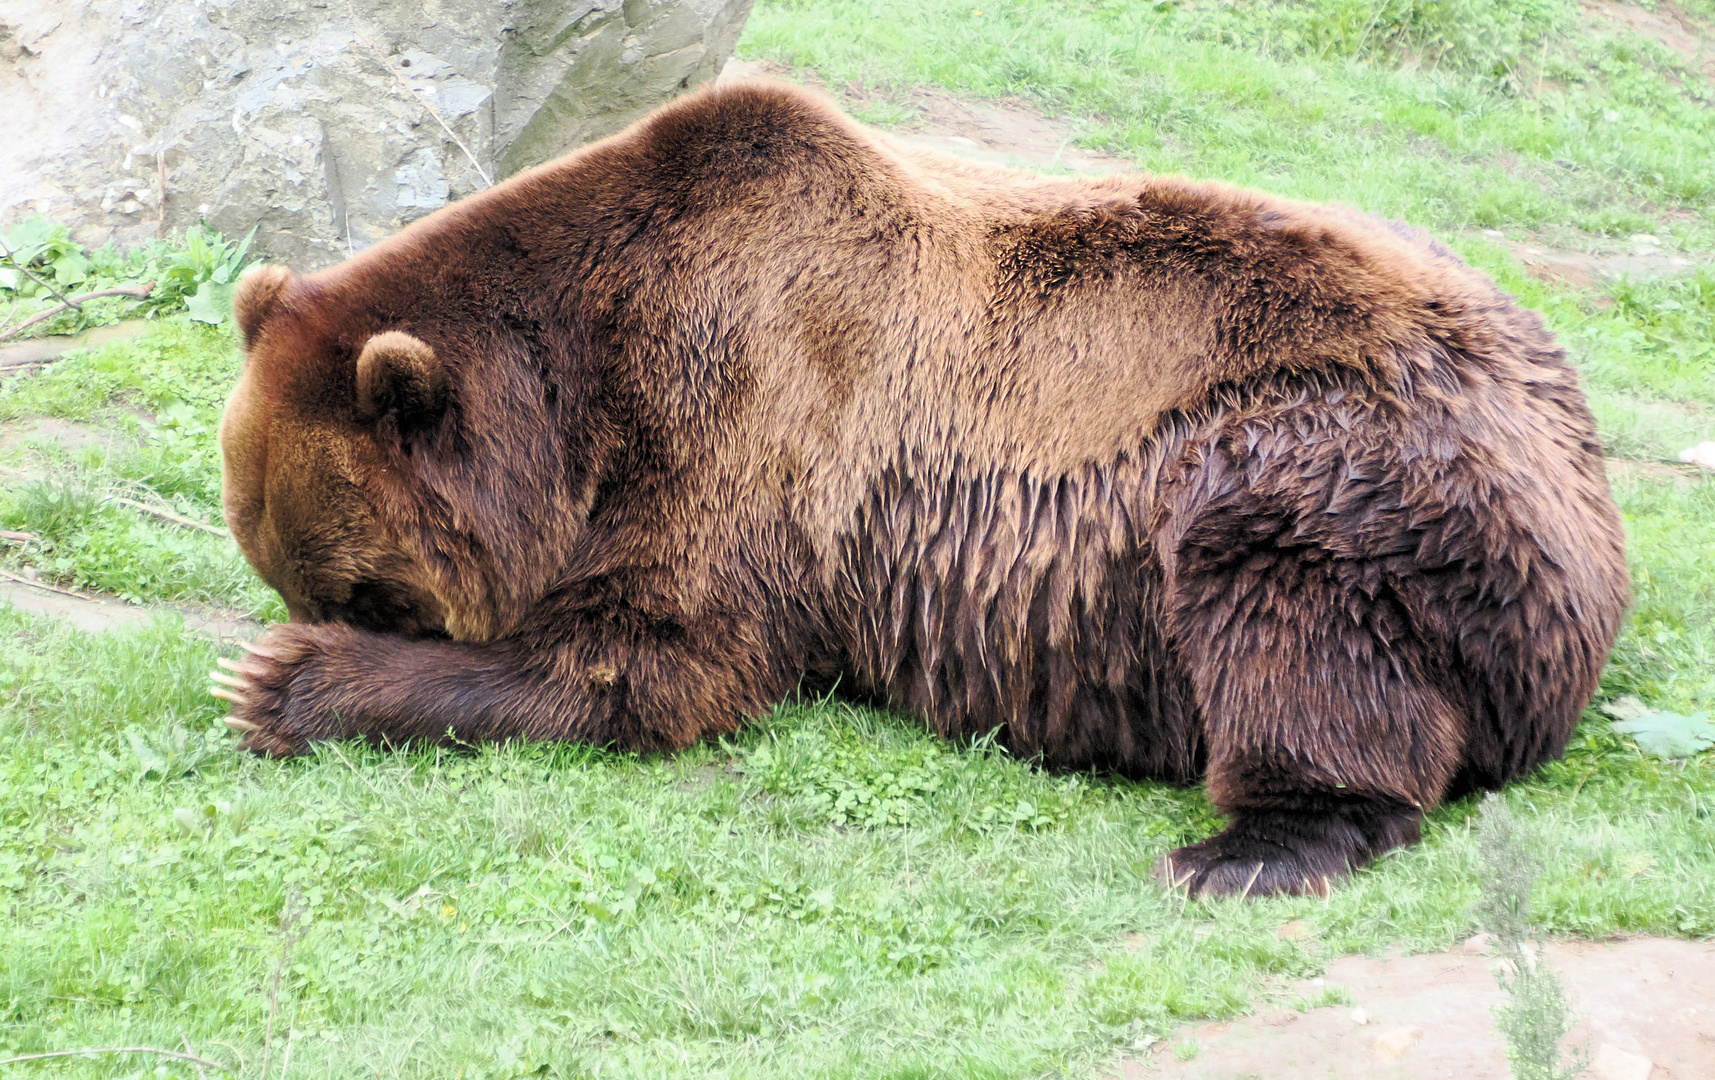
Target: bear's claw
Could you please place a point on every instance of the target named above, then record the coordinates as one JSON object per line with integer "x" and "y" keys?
{"x": 233, "y": 681}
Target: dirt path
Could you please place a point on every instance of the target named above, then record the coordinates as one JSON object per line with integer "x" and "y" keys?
{"x": 1646, "y": 1009}
{"x": 97, "y": 614}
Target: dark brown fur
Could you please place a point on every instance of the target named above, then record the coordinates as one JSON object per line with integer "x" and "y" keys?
{"x": 1161, "y": 477}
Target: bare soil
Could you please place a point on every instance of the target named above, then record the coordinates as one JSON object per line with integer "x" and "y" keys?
{"x": 1663, "y": 22}
{"x": 33, "y": 352}
{"x": 95, "y": 614}
{"x": 1645, "y": 1009}
{"x": 1641, "y": 258}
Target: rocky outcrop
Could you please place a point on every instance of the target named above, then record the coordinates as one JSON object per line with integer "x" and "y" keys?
{"x": 325, "y": 124}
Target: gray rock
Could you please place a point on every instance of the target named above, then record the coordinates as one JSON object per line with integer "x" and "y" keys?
{"x": 327, "y": 124}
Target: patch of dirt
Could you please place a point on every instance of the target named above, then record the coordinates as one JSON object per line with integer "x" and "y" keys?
{"x": 1657, "y": 470}
{"x": 1642, "y": 258}
{"x": 33, "y": 352}
{"x": 1645, "y": 1008}
{"x": 1009, "y": 132}
{"x": 67, "y": 435}
{"x": 98, "y": 614}
{"x": 1664, "y": 23}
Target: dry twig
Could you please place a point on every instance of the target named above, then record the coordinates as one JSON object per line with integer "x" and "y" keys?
{"x": 186, "y": 1043}
{"x": 44, "y": 586}
{"x": 89, "y": 1051}
{"x": 175, "y": 518}
{"x": 31, "y": 274}
{"x": 138, "y": 292}
{"x": 290, "y": 916}
{"x": 411, "y": 93}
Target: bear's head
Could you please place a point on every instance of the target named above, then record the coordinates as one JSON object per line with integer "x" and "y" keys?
{"x": 307, "y": 483}
{"x": 358, "y": 483}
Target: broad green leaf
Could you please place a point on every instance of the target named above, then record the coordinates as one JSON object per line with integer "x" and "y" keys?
{"x": 211, "y": 303}
{"x": 1670, "y": 735}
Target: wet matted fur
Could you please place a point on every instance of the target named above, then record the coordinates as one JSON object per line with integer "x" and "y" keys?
{"x": 1160, "y": 477}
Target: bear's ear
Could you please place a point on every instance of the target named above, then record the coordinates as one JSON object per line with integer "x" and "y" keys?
{"x": 400, "y": 374}
{"x": 259, "y": 289}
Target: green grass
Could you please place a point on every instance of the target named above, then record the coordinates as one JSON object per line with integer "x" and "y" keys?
{"x": 156, "y": 403}
{"x": 834, "y": 893}
{"x": 1288, "y": 95}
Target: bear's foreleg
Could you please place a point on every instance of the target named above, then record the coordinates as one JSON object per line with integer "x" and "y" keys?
{"x": 305, "y": 682}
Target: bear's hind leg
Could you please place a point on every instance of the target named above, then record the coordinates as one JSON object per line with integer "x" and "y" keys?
{"x": 1302, "y": 846}
{"x": 1327, "y": 736}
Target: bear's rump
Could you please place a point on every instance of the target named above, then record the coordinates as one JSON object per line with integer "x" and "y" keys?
{"x": 1072, "y": 612}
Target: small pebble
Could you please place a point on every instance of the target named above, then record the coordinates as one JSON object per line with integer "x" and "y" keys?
{"x": 1702, "y": 454}
{"x": 1360, "y": 1017}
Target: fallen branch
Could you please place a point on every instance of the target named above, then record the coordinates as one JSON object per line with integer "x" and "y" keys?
{"x": 186, "y": 1043}
{"x": 18, "y": 537}
{"x": 176, "y": 519}
{"x": 138, "y": 292}
{"x": 93, "y": 1050}
{"x": 45, "y": 587}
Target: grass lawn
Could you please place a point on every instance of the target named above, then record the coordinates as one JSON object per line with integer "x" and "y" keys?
{"x": 833, "y": 893}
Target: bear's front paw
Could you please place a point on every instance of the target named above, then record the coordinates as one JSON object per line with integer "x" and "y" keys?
{"x": 267, "y": 690}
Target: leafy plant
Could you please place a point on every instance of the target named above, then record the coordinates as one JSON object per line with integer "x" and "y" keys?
{"x": 1536, "y": 1019}
{"x": 204, "y": 272}
{"x": 1664, "y": 734}
{"x": 196, "y": 274}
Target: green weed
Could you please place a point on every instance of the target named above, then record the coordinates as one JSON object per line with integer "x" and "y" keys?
{"x": 41, "y": 267}
{"x": 1535, "y": 1019}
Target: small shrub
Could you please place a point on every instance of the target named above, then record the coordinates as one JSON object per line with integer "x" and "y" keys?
{"x": 1536, "y": 1019}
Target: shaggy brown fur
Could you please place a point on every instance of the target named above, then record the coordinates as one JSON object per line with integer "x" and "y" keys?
{"x": 1154, "y": 476}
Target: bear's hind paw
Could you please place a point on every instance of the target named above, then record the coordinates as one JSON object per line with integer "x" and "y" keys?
{"x": 1289, "y": 853}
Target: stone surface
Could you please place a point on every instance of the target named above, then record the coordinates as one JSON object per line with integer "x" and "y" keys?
{"x": 1651, "y": 999}
{"x": 328, "y": 125}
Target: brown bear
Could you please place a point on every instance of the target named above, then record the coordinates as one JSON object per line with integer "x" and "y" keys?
{"x": 1144, "y": 475}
